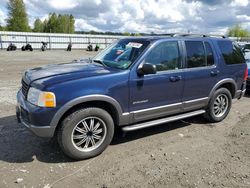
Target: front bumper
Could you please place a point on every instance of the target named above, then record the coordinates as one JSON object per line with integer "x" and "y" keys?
{"x": 34, "y": 118}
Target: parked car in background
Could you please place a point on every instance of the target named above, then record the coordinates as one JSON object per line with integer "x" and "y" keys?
{"x": 135, "y": 83}
{"x": 247, "y": 46}
{"x": 247, "y": 57}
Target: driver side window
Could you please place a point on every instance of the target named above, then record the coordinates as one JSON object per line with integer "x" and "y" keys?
{"x": 165, "y": 56}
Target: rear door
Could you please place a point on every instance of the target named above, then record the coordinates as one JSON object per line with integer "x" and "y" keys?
{"x": 201, "y": 73}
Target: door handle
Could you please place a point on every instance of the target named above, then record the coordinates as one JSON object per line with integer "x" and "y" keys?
{"x": 175, "y": 78}
{"x": 179, "y": 78}
{"x": 214, "y": 73}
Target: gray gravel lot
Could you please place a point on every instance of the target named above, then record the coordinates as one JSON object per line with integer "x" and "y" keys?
{"x": 189, "y": 153}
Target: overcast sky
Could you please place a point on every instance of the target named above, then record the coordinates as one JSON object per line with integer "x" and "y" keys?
{"x": 159, "y": 16}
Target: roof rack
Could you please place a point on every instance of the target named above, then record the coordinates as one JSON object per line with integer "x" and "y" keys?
{"x": 190, "y": 35}
{"x": 199, "y": 35}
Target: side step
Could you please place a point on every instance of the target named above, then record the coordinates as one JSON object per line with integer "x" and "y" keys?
{"x": 161, "y": 121}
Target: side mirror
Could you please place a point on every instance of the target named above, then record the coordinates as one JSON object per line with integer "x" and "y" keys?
{"x": 146, "y": 68}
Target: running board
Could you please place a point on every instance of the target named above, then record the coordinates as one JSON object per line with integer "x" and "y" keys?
{"x": 161, "y": 121}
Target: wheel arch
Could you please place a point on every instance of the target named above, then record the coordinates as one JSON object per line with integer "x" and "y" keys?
{"x": 102, "y": 101}
{"x": 228, "y": 83}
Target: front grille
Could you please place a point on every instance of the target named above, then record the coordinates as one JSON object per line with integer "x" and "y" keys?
{"x": 25, "y": 89}
{"x": 24, "y": 114}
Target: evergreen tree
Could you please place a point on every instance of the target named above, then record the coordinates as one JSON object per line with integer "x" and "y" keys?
{"x": 17, "y": 17}
{"x": 126, "y": 34}
{"x": 71, "y": 24}
{"x": 38, "y": 25}
{"x": 45, "y": 25}
{"x": 53, "y": 24}
{"x": 1, "y": 28}
{"x": 59, "y": 23}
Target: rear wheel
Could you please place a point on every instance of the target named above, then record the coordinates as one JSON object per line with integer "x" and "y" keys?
{"x": 86, "y": 133}
{"x": 219, "y": 105}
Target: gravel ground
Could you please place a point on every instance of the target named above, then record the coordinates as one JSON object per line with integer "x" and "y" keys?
{"x": 188, "y": 153}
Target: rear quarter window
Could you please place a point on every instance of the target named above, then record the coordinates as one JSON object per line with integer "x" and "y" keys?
{"x": 231, "y": 53}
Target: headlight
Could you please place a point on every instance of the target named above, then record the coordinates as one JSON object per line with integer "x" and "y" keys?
{"x": 41, "y": 98}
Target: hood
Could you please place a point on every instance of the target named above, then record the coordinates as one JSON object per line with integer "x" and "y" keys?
{"x": 65, "y": 71}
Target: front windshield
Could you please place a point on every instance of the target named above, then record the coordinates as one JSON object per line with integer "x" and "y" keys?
{"x": 122, "y": 53}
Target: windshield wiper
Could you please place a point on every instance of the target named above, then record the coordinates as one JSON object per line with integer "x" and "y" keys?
{"x": 99, "y": 61}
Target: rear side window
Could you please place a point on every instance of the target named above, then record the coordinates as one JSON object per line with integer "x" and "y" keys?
{"x": 231, "y": 53}
{"x": 195, "y": 54}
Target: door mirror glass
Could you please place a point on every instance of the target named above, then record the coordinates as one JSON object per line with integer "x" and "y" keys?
{"x": 146, "y": 68}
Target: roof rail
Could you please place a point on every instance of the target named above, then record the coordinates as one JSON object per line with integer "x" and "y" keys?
{"x": 190, "y": 35}
{"x": 199, "y": 35}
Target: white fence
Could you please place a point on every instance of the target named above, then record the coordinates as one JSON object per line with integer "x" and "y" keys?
{"x": 54, "y": 40}
{"x": 61, "y": 41}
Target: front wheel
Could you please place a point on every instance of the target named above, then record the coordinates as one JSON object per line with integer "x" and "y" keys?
{"x": 219, "y": 105}
{"x": 86, "y": 133}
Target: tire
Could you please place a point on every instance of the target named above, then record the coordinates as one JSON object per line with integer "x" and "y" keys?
{"x": 219, "y": 105}
{"x": 73, "y": 135}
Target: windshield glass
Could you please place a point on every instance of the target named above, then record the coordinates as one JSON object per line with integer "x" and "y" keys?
{"x": 122, "y": 53}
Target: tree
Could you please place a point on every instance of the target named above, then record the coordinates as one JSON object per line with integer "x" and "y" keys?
{"x": 53, "y": 24}
{"x": 238, "y": 31}
{"x": 38, "y": 25}
{"x": 45, "y": 25}
{"x": 136, "y": 34}
{"x": 1, "y": 28}
{"x": 71, "y": 24}
{"x": 59, "y": 23}
{"x": 17, "y": 17}
{"x": 126, "y": 34}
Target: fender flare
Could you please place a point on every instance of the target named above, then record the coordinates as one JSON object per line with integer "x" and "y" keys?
{"x": 221, "y": 82}
{"x": 83, "y": 99}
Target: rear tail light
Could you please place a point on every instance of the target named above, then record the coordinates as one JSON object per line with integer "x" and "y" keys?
{"x": 246, "y": 74}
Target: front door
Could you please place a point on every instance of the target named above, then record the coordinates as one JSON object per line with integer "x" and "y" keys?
{"x": 160, "y": 94}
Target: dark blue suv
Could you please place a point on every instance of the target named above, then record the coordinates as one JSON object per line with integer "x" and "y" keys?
{"x": 133, "y": 84}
